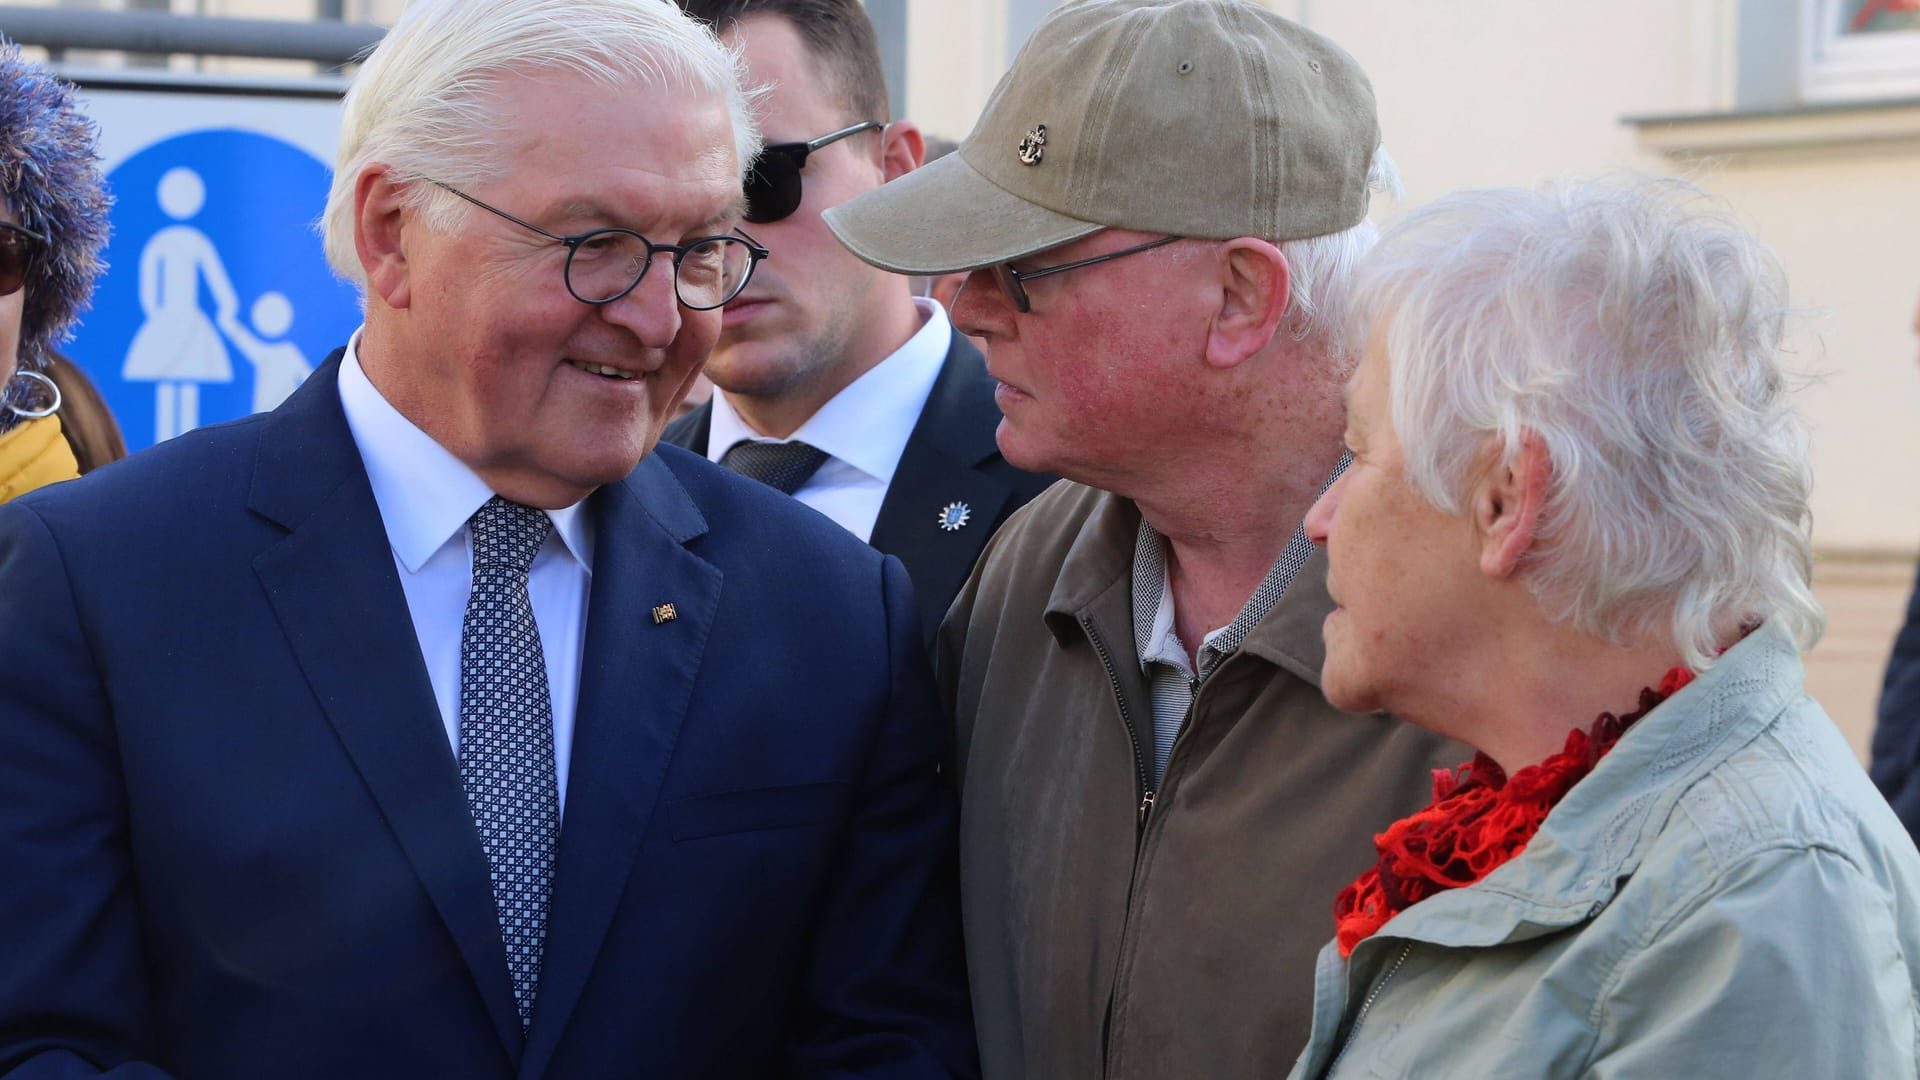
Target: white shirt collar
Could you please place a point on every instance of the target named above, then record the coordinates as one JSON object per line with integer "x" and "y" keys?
{"x": 425, "y": 494}
{"x": 867, "y": 424}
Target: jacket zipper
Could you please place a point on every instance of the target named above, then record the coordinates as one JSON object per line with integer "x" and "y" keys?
{"x": 1145, "y": 781}
{"x": 1133, "y": 733}
{"x": 1367, "y": 1006}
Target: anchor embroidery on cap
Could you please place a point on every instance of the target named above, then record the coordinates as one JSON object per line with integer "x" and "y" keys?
{"x": 1034, "y": 146}
{"x": 954, "y": 515}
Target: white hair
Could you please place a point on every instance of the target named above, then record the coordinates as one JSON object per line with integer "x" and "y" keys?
{"x": 1636, "y": 332}
{"x": 425, "y": 102}
{"x": 1320, "y": 268}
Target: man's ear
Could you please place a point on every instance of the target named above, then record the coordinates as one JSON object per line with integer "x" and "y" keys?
{"x": 902, "y": 148}
{"x": 1254, "y": 288}
{"x": 1507, "y": 505}
{"x": 378, "y": 236}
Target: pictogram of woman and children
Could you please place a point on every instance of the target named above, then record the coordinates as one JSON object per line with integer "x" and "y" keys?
{"x": 177, "y": 346}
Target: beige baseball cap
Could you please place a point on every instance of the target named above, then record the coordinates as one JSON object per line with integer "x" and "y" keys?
{"x": 1201, "y": 118}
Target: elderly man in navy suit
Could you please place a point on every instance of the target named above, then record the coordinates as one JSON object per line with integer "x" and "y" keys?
{"x": 433, "y": 724}
{"x": 834, "y": 383}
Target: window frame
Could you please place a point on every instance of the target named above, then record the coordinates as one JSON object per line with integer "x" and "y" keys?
{"x": 1837, "y": 66}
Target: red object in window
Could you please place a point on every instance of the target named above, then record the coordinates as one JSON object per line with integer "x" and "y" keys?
{"x": 1874, "y": 7}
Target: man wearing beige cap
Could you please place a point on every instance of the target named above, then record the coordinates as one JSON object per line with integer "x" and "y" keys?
{"x": 1158, "y": 209}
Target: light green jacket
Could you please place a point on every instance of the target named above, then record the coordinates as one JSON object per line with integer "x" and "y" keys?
{"x": 1724, "y": 896}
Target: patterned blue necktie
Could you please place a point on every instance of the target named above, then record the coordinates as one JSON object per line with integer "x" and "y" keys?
{"x": 506, "y": 733}
{"x": 783, "y": 466}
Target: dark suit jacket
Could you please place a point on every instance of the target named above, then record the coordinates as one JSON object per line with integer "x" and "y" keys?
{"x": 234, "y": 843}
{"x": 951, "y": 457}
{"x": 1896, "y": 738}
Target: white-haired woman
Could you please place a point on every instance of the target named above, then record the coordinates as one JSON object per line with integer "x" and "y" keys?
{"x": 1574, "y": 536}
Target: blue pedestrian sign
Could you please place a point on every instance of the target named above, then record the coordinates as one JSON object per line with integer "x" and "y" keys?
{"x": 217, "y": 300}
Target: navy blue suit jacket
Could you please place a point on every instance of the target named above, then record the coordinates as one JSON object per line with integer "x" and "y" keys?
{"x": 234, "y": 843}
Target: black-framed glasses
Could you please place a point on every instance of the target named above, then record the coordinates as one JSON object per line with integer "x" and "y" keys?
{"x": 604, "y": 265}
{"x": 773, "y": 183}
{"x": 1014, "y": 281}
{"x": 19, "y": 248}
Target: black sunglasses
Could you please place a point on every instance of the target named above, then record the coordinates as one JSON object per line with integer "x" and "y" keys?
{"x": 773, "y": 184}
{"x": 19, "y": 247}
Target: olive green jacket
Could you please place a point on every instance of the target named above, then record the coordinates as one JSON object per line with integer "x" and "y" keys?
{"x": 1725, "y": 895}
{"x": 1179, "y": 943}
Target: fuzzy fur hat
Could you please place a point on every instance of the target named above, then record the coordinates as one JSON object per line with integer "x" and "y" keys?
{"x": 50, "y": 178}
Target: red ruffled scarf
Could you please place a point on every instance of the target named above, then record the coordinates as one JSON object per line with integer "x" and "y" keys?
{"x": 1477, "y": 823}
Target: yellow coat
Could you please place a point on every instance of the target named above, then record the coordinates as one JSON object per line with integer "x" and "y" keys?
{"x": 34, "y": 455}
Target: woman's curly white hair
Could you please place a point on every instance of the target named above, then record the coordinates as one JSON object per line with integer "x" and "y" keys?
{"x": 1637, "y": 329}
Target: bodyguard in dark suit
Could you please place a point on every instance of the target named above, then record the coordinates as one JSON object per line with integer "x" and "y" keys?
{"x": 950, "y": 490}
{"x": 431, "y": 725}
{"x": 834, "y": 383}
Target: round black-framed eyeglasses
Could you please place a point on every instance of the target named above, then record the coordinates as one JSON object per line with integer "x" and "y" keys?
{"x": 604, "y": 265}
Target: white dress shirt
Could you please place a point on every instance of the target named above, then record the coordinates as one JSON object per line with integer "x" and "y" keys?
{"x": 863, "y": 429}
{"x": 426, "y": 495}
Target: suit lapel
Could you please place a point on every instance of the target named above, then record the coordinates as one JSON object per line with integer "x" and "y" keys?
{"x": 334, "y": 588}
{"x": 636, "y": 678}
{"x": 692, "y": 431}
{"x": 939, "y": 469}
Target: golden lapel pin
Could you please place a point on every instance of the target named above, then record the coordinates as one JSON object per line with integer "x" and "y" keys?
{"x": 664, "y": 613}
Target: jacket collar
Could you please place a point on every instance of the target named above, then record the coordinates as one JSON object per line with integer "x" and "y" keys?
{"x": 1099, "y": 560}
{"x": 1597, "y": 836}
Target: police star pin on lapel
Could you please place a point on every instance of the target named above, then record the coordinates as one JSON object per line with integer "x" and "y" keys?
{"x": 954, "y": 515}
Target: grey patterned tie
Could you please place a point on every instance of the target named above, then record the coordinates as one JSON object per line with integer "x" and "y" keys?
{"x": 782, "y": 466}
{"x": 506, "y": 733}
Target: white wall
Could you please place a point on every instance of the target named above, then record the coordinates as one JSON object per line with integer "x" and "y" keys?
{"x": 956, "y": 52}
